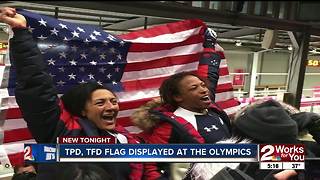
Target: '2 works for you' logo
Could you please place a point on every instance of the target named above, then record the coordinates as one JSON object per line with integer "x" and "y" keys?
{"x": 281, "y": 152}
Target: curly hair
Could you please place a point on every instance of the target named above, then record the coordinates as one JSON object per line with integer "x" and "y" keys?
{"x": 171, "y": 87}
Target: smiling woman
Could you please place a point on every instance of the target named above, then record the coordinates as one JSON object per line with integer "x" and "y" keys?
{"x": 94, "y": 102}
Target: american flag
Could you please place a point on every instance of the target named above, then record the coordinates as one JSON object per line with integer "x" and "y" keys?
{"x": 133, "y": 65}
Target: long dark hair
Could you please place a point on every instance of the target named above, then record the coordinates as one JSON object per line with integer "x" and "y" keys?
{"x": 75, "y": 99}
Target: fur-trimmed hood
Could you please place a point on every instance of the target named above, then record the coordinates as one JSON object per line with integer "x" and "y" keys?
{"x": 145, "y": 120}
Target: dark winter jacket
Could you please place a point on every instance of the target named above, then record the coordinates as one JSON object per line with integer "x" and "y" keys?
{"x": 161, "y": 126}
{"x": 44, "y": 113}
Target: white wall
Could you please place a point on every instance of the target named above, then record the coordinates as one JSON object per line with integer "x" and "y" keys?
{"x": 273, "y": 62}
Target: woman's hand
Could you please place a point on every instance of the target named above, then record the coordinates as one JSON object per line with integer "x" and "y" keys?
{"x": 11, "y": 17}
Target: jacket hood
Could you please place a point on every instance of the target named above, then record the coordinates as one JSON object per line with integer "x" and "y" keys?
{"x": 145, "y": 120}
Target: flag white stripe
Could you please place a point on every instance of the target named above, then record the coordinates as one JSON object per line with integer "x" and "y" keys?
{"x": 8, "y": 102}
{"x": 14, "y": 124}
{"x": 223, "y": 63}
{"x": 134, "y": 57}
{"x": 16, "y": 147}
{"x": 2, "y": 67}
{"x": 126, "y": 113}
{"x": 158, "y": 72}
{"x": 224, "y": 96}
{"x": 151, "y": 93}
{"x": 135, "y": 95}
{"x": 224, "y": 80}
{"x": 168, "y": 71}
{"x": 4, "y": 92}
{"x": 168, "y": 38}
{"x": 232, "y": 110}
{"x": 133, "y": 129}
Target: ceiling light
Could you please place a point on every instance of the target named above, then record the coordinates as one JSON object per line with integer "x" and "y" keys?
{"x": 238, "y": 43}
{"x": 5, "y": 29}
{"x": 314, "y": 50}
{"x": 290, "y": 48}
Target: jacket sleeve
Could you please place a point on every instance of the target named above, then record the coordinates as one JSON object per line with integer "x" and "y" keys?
{"x": 308, "y": 121}
{"x": 160, "y": 135}
{"x": 35, "y": 93}
{"x": 136, "y": 167}
{"x": 209, "y": 69}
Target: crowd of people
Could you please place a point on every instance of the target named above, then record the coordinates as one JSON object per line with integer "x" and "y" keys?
{"x": 184, "y": 113}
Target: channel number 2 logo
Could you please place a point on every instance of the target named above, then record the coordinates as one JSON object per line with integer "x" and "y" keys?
{"x": 28, "y": 153}
{"x": 268, "y": 150}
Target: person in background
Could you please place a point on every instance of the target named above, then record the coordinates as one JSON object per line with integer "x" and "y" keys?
{"x": 185, "y": 112}
{"x": 267, "y": 122}
{"x": 270, "y": 121}
{"x": 26, "y": 172}
{"x": 88, "y": 109}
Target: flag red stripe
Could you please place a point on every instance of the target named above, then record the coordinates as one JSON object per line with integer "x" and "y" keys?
{"x": 224, "y": 88}
{"x": 124, "y": 121}
{"x": 221, "y": 54}
{"x": 16, "y": 159}
{"x": 223, "y": 71}
{"x": 163, "y": 62}
{"x": 16, "y": 135}
{"x": 143, "y": 84}
{"x": 228, "y": 103}
{"x": 133, "y": 104}
{"x": 149, "y": 47}
{"x": 13, "y": 113}
{"x": 164, "y": 29}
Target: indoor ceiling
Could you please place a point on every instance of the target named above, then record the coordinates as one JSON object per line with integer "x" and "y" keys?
{"x": 119, "y": 23}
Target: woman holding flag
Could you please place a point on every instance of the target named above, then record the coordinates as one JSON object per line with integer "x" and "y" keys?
{"x": 186, "y": 112}
{"x": 88, "y": 109}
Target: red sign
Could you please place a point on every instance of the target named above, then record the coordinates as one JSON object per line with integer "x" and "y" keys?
{"x": 238, "y": 79}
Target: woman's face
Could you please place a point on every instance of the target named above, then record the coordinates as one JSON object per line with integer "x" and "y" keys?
{"x": 194, "y": 94}
{"x": 102, "y": 109}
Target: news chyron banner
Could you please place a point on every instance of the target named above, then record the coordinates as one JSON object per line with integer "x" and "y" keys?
{"x": 106, "y": 149}
{"x": 282, "y": 156}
